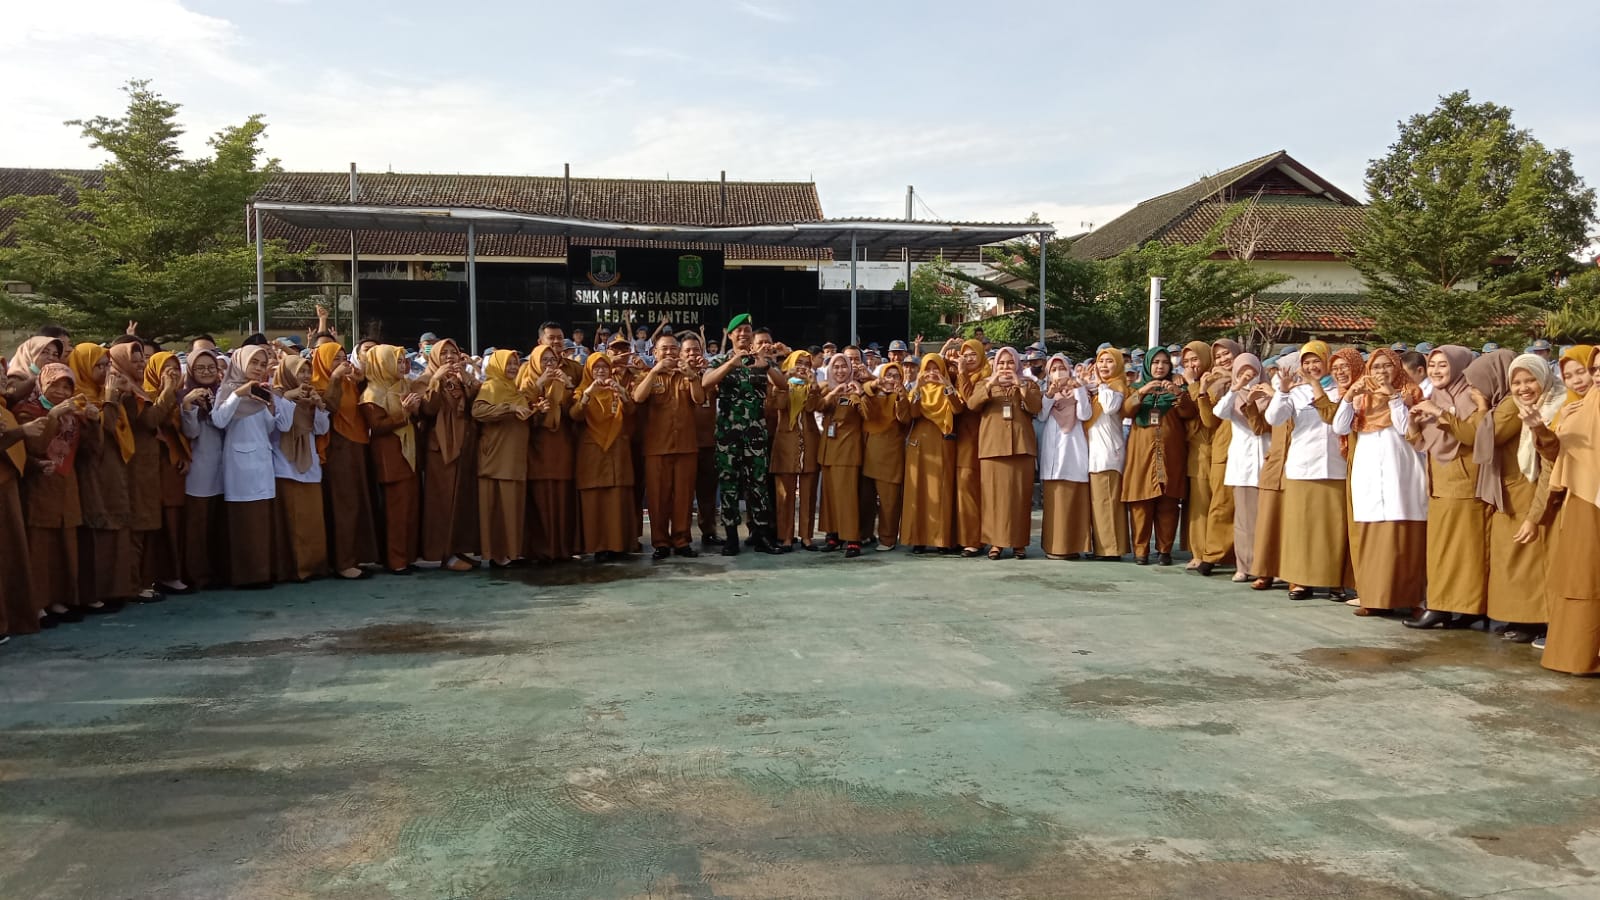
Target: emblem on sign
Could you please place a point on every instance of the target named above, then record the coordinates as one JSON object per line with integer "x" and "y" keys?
{"x": 603, "y": 268}
{"x": 691, "y": 271}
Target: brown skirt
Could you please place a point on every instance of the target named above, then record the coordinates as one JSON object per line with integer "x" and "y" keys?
{"x": 401, "y": 528}
{"x": 53, "y": 559}
{"x": 1315, "y": 538}
{"x": 18, "y": 612}
{"x": 299, "y": 532}
{"x": 1110, "y": 519}
{"x": 928, "y": 501}
{"x": 1067, "y": 516}
{"x": 1391, "y": 563}
{"x": 608, "y": 520}
{"x": 1196, "y": 511}
{"x": 1006, "y": 483}
{"x": 163, "y": 551}
{"x": 105, "y": 559}
{"x": 1458, "y": 558}
{"x": 250, "y": 542}
{"x": 205, "y": 541}
{"x": 1219, "y": 548}
{"x": 1513, "y": 566}
{"x": 449, "y": 528}
{"x": 347, "y": 496}
{"x": 969, "y": 507}
{"x": 841, "y": 502}
{"x": 552, "y": 520}
{"x": 1268, "y": 562}
{"x": 501, "y": 508}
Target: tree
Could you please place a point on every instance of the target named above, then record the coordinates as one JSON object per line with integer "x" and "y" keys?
{"x": 159, "y": 239}
{"x": 1576, "y": 320}
{"x": 1075, "y": 316}
{"x": 938, "y": 301}
{"x": 1469, "y": 220}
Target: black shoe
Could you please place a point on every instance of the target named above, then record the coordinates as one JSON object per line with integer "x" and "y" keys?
{"x": 1299, "y": 594}
{"x": 48, "y": 621}
{"x": 1518, "y": 636}
{"x": 832, "y": 546}
{"x": 919, "y": 550}
{"x": 1165, "y": 559}
{"x": 1205, "y": 569}
{"x": 762, "y": 545}
{"x": 1141, "y": 560}
{"x": 730, "y": 548}
{"x": 660, "y": 553}
{"x": 152, "y": 597}
{"x": 686, "y": 551}
{"x": 710, "y": 540}
{"x": 852, "y": 550}
{"x": 71, "y": 615}
{"x": 1429, "y": 619}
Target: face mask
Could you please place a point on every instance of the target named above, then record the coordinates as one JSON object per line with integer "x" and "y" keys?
{"x": 1327, "y": 381}
{"x": 45, "y": 402}
{"x": 796, "y": 381}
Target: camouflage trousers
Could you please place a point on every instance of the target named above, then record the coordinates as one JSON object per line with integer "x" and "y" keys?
{"x": 742, "y": 475}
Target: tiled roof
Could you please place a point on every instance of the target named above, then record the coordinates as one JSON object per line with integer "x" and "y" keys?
{"x": 614, "y": 199}
{"x": 1151, "y": 219}
{"x": 1288, "y": 227}
{"x": 1316, "y": 312}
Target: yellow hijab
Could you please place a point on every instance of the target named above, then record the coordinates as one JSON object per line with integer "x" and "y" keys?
{"x": 879, "y": 414}
{"x": 605, "y": 408}
{"x": 17, "y": 453}
{"x": 984, "y": 367}
{"x": 121, "y": 428}
{"x": 171, "y": 432}
{"x": 498, "y": 388}
{"x": 797, "y": 392}
{"x": 936, "y": 404}
{"x": 387, "y": 390}
{"x": 1119, "y": 381}
{"x": 347, "y": 421}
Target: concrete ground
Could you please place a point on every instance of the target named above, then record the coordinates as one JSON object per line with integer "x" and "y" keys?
{"x": 794, "y": 727}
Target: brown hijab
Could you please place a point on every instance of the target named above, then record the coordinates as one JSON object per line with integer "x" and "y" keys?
{"x": 1491, "y": 375}
{"x": 1437, "y": 441}
{"x": 293, "y": 380}
{"x": 450, "y": 425}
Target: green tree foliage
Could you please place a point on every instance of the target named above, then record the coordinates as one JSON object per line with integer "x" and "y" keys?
{"x": 935, "y": 298}
{"x": 1470, "y": 218}
{"x": 1075, "y": 317}
{"x": 1576, "y": 319}
{"x": 161, "y": 240}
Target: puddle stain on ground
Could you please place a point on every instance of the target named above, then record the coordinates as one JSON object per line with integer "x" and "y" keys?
{"x": 1471, "y": 649}
{"x": 1170, "y": 688}
{"x": 370, "y": 640}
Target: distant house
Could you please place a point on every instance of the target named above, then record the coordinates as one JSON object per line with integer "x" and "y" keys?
{"x": 1298, "y": 224}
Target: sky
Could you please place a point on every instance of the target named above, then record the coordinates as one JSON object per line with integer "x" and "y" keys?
{"x": 1072, "y": 111}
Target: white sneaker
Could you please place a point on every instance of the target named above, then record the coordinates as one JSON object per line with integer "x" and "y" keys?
{"x": 1538, "y": 642}
{"x": 885, "y": 548}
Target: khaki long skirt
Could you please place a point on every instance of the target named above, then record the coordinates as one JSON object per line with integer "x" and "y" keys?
{"x": 205, "y": 541}
{"x": 1220, "y": 544}
{"x": 161, "y": 556}
{"x": 19, "y": 613}
{"x": 969, "y": 507}
{"x": 1458, "y": 556}
{"x": 552, "y": 519}
{"x": 1268, "y": 562}
{"x": 841, "y": 502}
{"x": 449, "y": 509}
{"x": 1196, "y": 514}
{"x": 53, "y": 563}
{"x": 1007, "y": 490}
{"x": 1246, "y": 504}
{"x": 1110, "y": 516}
{"x": 300, "y": 531}
{"x": 1067, "y": 517}
{"x": 1391, "y": 563}
{"x": 1573, "y": 644}
{"x": 1514, "y": 566}
{"x": 401, "y": 504}
{"x": 250, "y": 542}
{"x": 105, "y": 559}
{"x": 608, "y": 519}
{"x": 1315, "y": 538}
{"x": 928, "y": 512}
{"x": 502, "y": 505}
{"x": 347, "y": 497}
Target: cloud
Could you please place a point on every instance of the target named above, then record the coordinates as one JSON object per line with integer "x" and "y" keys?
{"x": 765, "y": 12}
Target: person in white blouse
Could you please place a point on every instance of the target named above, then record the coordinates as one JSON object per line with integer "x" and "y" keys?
{"x": 1388, "y": 487}
{"x": 1064, "y": 461}
{"x": 204, "y": 516}
{"x": 1315, "y": 537}
{"x": 1108, "y": 447}
{"x": 1247, "y": 453}
{"x": 249, "y": 414}
{"x": 299, "y": 529}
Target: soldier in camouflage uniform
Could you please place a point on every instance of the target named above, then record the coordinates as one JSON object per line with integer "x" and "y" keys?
{"x": 742, "y": 436}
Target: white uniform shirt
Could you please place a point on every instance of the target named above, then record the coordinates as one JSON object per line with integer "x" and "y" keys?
{"x": 1108, "y": 442}
{"x": 1388, "y": 477}
{"x": 1247, "y": 451}
{"x": 205, "y": 449}
{"x": 1313, "y": 447}
{"x": 1064, "y": 455}
{"x": 247, "y": 448}
{"x": 282, "y": 468}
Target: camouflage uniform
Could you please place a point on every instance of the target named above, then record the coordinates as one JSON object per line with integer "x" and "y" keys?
{"x": 742, "y": 444}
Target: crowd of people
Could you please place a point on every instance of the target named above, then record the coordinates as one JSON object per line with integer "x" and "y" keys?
{"x": 1457, "y": 488}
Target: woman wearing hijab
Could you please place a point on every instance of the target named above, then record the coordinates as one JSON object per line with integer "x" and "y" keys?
{"x": 1064, "y": 461}
{"x": 552, "y": 514}
{"x": 1268, "y": 549}
{"x": 205, "y": 513}
{"x": 1220, "y": 512}
{"x": 145, "y": 411}
{"x": 1248, "y": 439}
{"x": 1388, "y": 487}
{"x": 930, "y": 491}
{"x": 502, "y": 413}
{"x": 159, "y": 430}
{"x": 1108, "y": 447}
{"x": 605, "y": 463}
{"x": 300, "y": 529}
{"x": 388, "y": 405}
{"x": 1458, "y": 520}
{"x": 250, "y": 414}
{"x": 1344, "y": 368}
{"x": 1008, "y": 451}
{"x": 22, "y": 372}
{"x": 450, "y": 488}
{"x": 1315, "y": 538}
{"x": 106, "y": 562}
{"x": 343, "y": 452}
{"x": 1576, "y": 371}
{"x": 974, "y": 369}
{"x": 19, "y": 613}
{"x": 839, "y": 457}
{"x": 51, "y": 503}
{"x": 1194, "y": 370}
{"x": 1573, "y": 642}
{"x": 1153, "y": 479}
{"x": 887, "y": 411}
{"x": 794, "y": 454}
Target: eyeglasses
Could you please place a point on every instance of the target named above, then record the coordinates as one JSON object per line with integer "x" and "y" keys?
{"x": 203, "y": 370}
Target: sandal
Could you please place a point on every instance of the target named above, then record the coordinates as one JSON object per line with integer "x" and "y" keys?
{"x": 969, "y": 552}
{"x": 1019, "y": 553}
{"x": 994, "y": 552}
{"x": 1297, "y": 592}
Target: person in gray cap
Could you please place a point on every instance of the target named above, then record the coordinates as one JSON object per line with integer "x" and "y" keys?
{"x": 1424, "y": 347}
{"x": 898, "y": 351}
{"x": 1490, "y": 347}
{"x": 1540, "y": 348}
{"x": 1399, "y": 347}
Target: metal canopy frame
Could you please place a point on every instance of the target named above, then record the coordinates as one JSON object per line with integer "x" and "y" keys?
{"x": 827, "y": 234}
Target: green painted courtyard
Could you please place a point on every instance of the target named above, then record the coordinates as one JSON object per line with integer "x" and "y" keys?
{"x": 789, "y": 727}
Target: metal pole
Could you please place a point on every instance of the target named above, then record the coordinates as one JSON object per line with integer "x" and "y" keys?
{"x": 472, "y": 283}
{"x": 910, "y": 192}
{"x": 1153, "y": 336}
{"x": 1044, "y": 243}
{"x": 853, "y": 336}
{"x": 261, "y": 280}
{"x": 355, "y": 274}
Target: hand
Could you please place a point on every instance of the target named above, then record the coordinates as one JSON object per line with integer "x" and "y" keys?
{"x": 1526, "y": 533}
{"x": 1530, "y": 415}
{"x": 918, "y": 340}
{"x": 171, "y": 379}
{"x": 411, "y": 403}
{"x": 47, "y": 466}
{"x": 1427, "y": 408}
{"x": 665, "y": 365}
{"x": 1180, "y": 379}
{"x": 244, "y": 389}
{"x": 133, "y": 327}
{"x": 540, "y": 406}
{"x": 183, "y": 467}
{"x": 35, "y": 428}
{"x": 1478, "y": 399}
{"x": 91, "y": 412}
{"x": 343, "y": 370}
{"x": 524, "y": 413}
